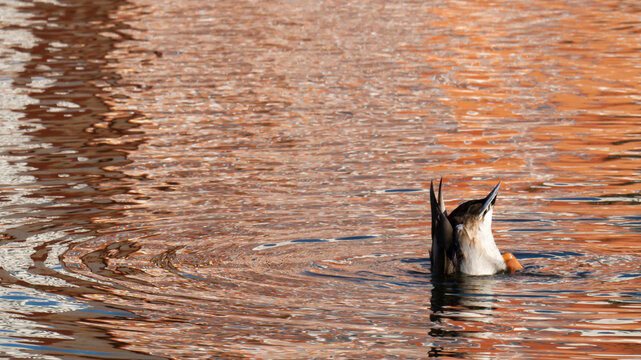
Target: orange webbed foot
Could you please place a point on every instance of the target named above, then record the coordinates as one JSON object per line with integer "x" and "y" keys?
{"x": 512, "y": 263}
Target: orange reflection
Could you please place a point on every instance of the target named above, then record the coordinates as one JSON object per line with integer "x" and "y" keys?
{"x": 274, "y": 123}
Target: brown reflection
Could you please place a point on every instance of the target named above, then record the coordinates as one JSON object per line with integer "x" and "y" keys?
{"x": 74, "y": 148}
{"x": 80, "y": 132}
{"x": 77, "y": 157}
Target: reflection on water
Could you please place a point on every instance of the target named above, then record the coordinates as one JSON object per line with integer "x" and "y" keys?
{"x": 49, "y": 170}
{"x": 220, "y": 179}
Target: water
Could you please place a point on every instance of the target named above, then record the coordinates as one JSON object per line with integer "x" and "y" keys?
{"x": 220, "y": 179}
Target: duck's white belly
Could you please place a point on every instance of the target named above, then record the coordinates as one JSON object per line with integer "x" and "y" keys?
{"x": 481, "y": 257}
{"x": 482, "y": 265}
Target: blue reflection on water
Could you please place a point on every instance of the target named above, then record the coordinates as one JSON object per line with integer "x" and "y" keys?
{"x": 299, "y": 241}
{"x": 48, "y": 348}
{"x": 19, "y": 304}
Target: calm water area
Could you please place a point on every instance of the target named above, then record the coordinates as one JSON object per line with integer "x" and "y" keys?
{"x": 247, "y": 179}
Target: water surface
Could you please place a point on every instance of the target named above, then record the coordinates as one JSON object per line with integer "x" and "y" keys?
{"x": 247, "y": 179}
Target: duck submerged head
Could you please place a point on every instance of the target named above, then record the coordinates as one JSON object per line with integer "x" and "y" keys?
{"x": 462, "y": 242}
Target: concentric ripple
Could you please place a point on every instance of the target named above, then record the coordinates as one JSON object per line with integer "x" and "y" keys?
{"x": 235, "y": 179}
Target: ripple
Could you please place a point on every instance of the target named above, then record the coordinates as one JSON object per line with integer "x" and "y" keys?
{"x": 254, "y": 184}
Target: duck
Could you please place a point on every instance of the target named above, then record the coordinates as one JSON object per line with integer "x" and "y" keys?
{"x": 462, "y": 242}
